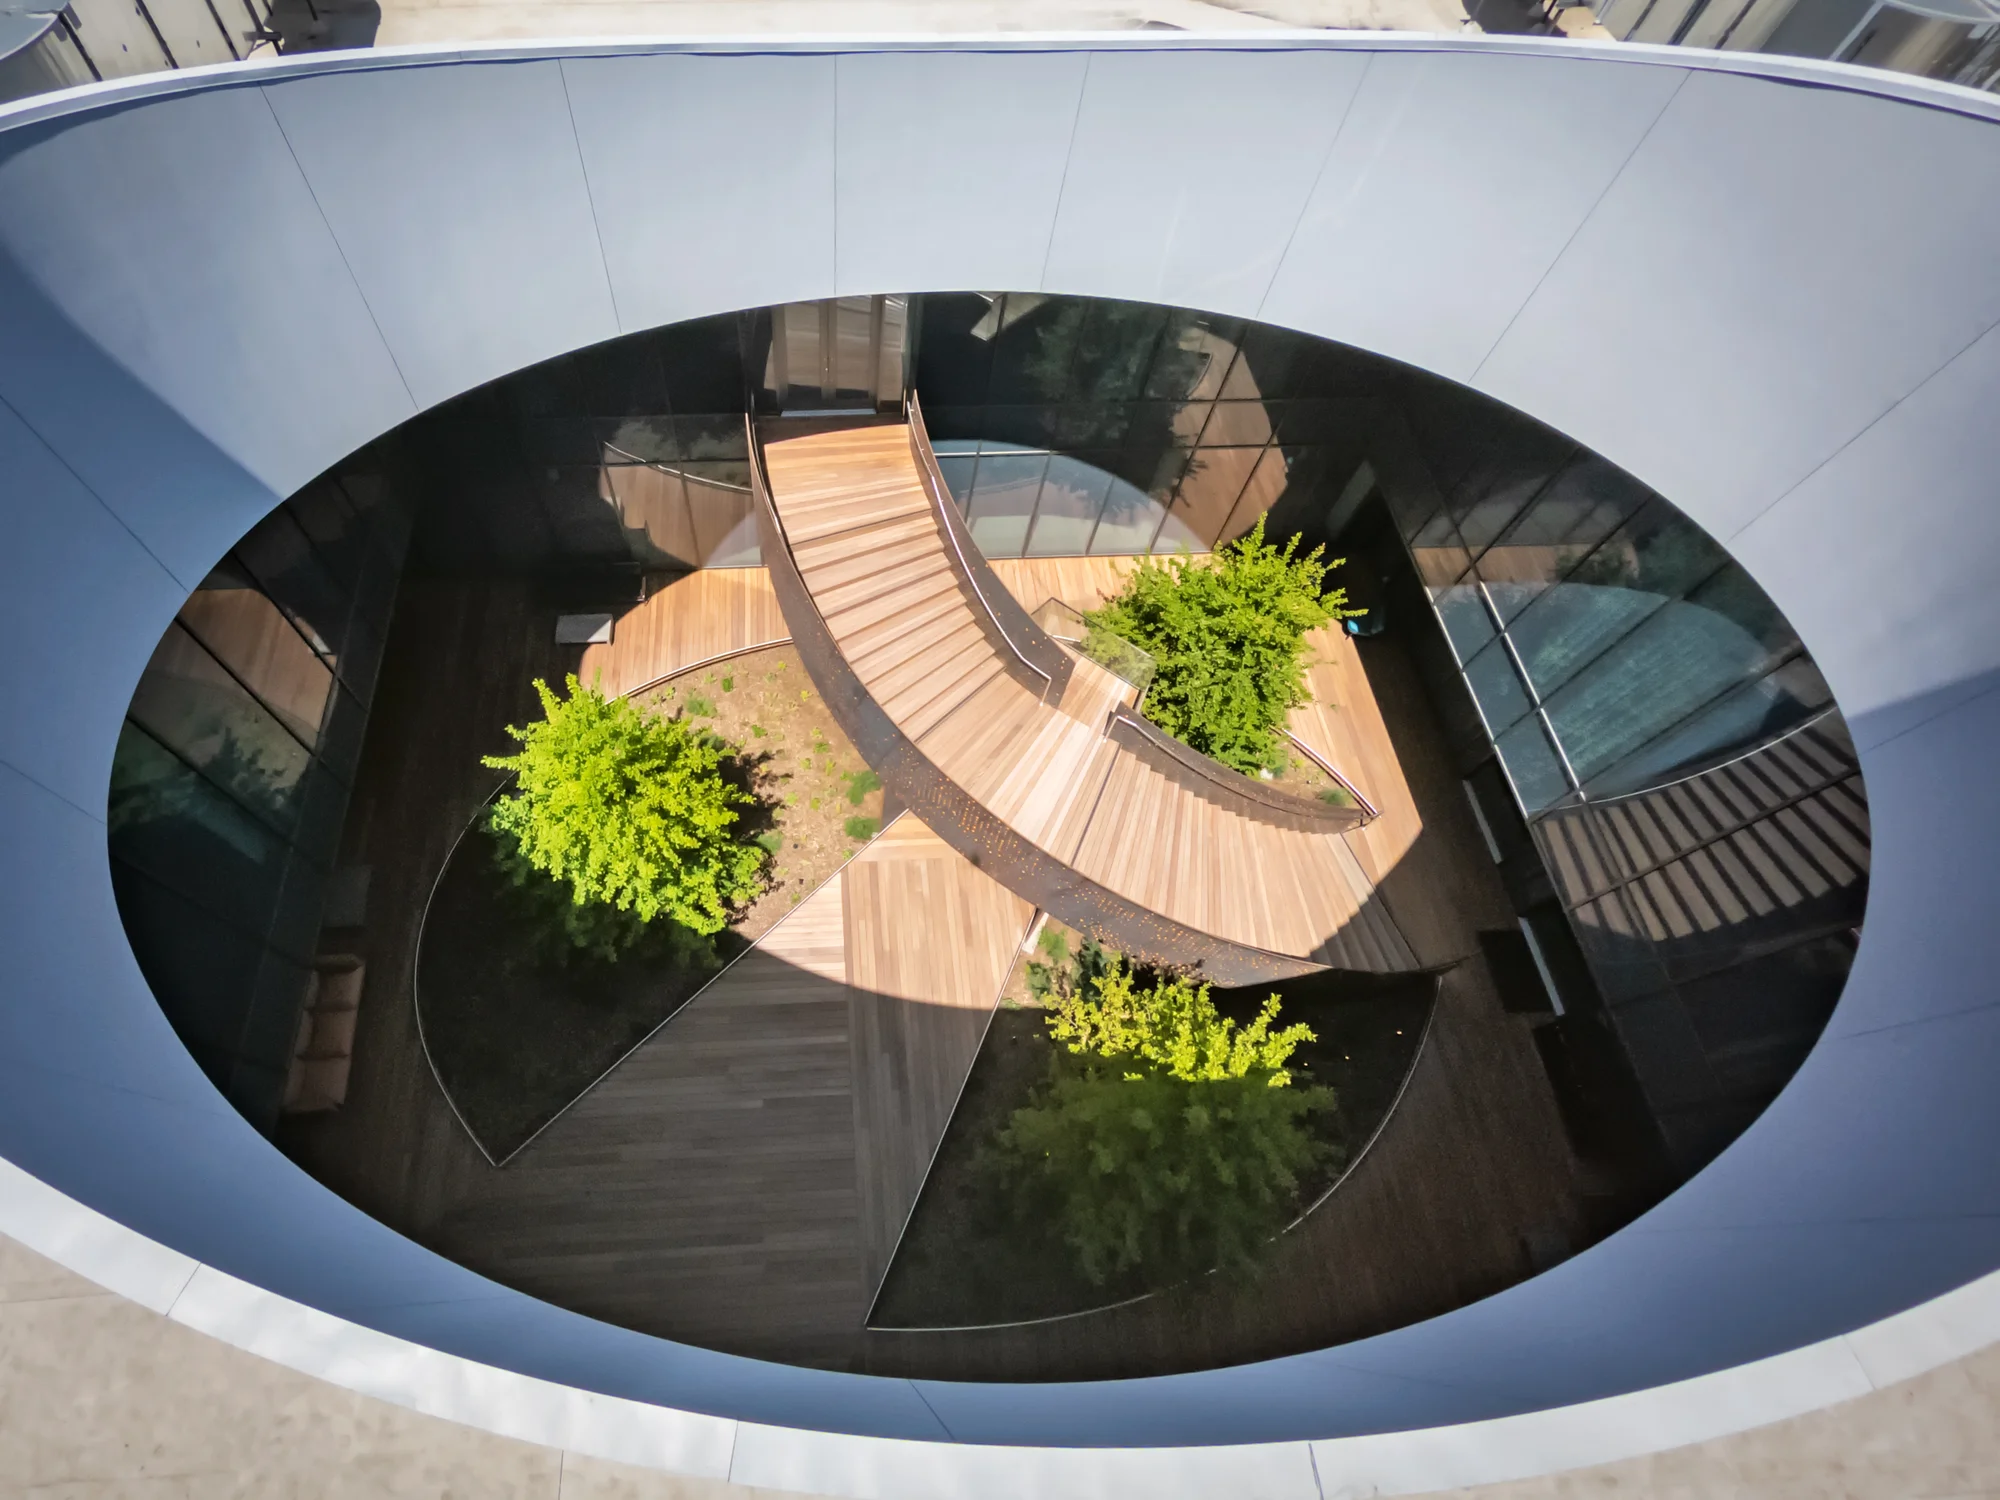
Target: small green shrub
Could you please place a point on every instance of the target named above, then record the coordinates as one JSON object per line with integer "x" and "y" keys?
{"x": 1336, "y": 796}
{"x": 629, "y": 811}
{"x": 1172, "y": 1029}
{"x": 863, "y": 829}
{"x": 1154, "y": 1176}
{"x": 1228, "y": 635}
{"x": 1056, "y": 975}
{"x": 860, "y": 784}
{"x": 699, "y": 707}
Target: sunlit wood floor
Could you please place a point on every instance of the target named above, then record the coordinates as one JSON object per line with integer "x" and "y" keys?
{"x": 903, "y": 615}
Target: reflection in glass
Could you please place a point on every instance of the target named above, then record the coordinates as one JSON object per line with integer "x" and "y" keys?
{"x": 1497, "y": 687}
{"x": 1004, "y": 489}
{"x": 1751, "y": 715}
{"x": 187, "y": 701}
{"x": 1131, "y": 520}
{"x": 248, "y": 634}
{"x": 1072, "y": 497}
{"x": 1466, "y": 623}
{"x": 1532, "y": 765}
{"x": 1680, "y": 660}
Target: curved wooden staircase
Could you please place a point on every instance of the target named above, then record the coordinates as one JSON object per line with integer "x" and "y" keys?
{"x": 1026, "y": 756}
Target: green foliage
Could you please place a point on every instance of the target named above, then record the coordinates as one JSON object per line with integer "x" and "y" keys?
{"x": 1156, "y": 1176}
{"x": 860, "y": 784}
{"x": 699, "y": 707}
{"x": 1173, "y": 1029}
{"x": 1336, "y": 796}
{"x": 1057, "y": 977}
{"x": 1229, "y": 637}
{"x": 629, "y": 812}
{"x": 863, "y": 829}
{"x": 770, "y": 843}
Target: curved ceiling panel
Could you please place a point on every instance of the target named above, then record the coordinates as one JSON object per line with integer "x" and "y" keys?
{"x": 1769, "y": 294}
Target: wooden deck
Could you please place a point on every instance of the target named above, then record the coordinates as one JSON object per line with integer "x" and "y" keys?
{"x": 713, "y": 1244}
{"x": 685, "y": 620}
{"x": 743, "y": 1177}
{"x": 906, "y": 619}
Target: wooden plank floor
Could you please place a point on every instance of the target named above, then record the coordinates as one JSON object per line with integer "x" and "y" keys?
{"x": 1475, "y": 1160}
{"x": 894, "y": 597}
{"x": 686, "y": 620}
{"x": 930, "y": 941}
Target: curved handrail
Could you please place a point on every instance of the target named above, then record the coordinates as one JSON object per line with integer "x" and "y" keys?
{"x": 972, "y": 566}
{"x": 1223, "y": 785}
{"x": 965, "y": 823}
{"x": 665, "y": 468}
{"x": 1369, "y": 809}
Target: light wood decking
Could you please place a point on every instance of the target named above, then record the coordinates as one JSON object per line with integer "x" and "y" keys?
{"x": 900, "y": 610}
{"x": 686, "y": 620}
{"x": 749, "y": 1169}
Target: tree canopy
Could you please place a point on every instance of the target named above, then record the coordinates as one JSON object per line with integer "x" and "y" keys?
{"x": 1228, "y": 633}
{"x": 630, "y": 811}
{"x": 1171, "y": 1028}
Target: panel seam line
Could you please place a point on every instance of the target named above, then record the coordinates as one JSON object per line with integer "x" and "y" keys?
{"x": 589, "y": 197}
{"x": 264, "y": 93}
{"x": 1581, "y": 224}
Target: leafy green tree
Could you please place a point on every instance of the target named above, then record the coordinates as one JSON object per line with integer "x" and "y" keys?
{"x": 1172, "y": 1029}
{"x": 630, "y": 812}
{"x": 1152, "y": 1177}
{"x": 1229, "y": 634}
{"x": 1167, "y": 1140}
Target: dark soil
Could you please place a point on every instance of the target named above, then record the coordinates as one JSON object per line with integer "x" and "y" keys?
{"x": 517, "y": 1025}
{"x": 967, "y": 1260}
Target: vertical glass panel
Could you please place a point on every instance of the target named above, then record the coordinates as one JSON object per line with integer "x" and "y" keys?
{"x": 1570, "y": 624}
{"x": 702, "y": 364}
{"x": 1186, "y": 360}
{"x": 1411, "y": 512}
{"x": 1738, "y": 722}
{"x": 1587, "y": 501}
{"x": 1211, "y": 487}
{"x": 1439, "y": 555}
{"x": 652, "y": 508}
{"x": 1177, "y": 536}
{"x": 1117, "y": 349}
{"x": 1466, "y": 622}
{"x": 168, "y": 821}
{"x": 855, "y": 335}
{"x": 1130, "y": 521}
{"x": 282, "y": 562}
{"x": 1532, "y": 766}
{"x": 725, "y": 528}
{"x": 335, "y": 531}
{"x": 1237, "y": 424}
{"x": 1036, "y": 348}
{"x": 1678, "y": 662}
{"x": 1003, "y": 500}
{"x": 1265, "y": 486}
{"x": 638, "y": 440}
{"x": 1073, "y": 494}
{"x": 190, "y": 704}
{"x": 246, "y": 632}
{"x": 1497, "y": 688}
{"x": 1658, "y": 551}
{"x": 955, "y": 459}
{"x": 198, "y": 967}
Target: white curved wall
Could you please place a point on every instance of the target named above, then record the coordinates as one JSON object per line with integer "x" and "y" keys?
{"x": 1768, "y": 293}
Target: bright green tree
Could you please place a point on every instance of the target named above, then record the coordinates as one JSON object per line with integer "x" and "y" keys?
{"x": 1152, "y": 1176}
{"x": 1167, "y": 1140}
{"x": 1171, "y": 1028}
{"x": 629, "y": 811}
{"x": 1229, "y": 634}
